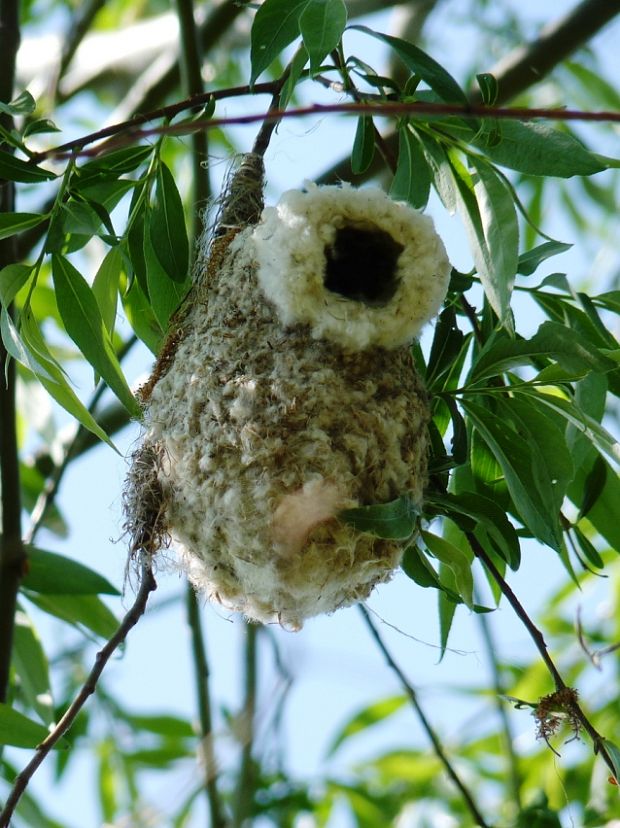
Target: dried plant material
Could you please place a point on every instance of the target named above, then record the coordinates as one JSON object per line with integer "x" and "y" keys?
{"x": 271, "y": 423}
{"x": 556, "y": 709}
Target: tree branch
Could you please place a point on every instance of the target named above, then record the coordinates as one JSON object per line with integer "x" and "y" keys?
{"x": 131, "y": 618}
{"x": 12, "y": 555}
{"x": 201, "y": 674}
{"x": 539, "y": 641}
{"x": 426, "y": 725}
{"x": 528, "y": 64}
{"x": 244, "y": 798}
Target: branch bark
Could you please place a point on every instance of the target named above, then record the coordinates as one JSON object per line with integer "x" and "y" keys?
{"x": 12, "y": 555}
{"x": 246, "y": 781}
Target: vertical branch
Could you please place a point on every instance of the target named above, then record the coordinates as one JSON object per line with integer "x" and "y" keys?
{"x": 514, "y": 777}
{"x": 204, "y": 709}
{"x": 191, "y": 73}
{"x": 246, "y": 781}
{"x": 426, "y": 725}
{"x": 12, "y": 557}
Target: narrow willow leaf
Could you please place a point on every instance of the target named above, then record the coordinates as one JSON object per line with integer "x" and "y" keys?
{"x": 501, "y": 233}
{"x": 82, "y": 319}
{"x": 81, "y": 611}
{"x": 447, "y": 344}
{"x": 489, "y": 88}
{"x": 296, "y": 67}
{"x": 105, "y": 287}
{"x": 52, "y": 378}
{"x": 395, "y": 520}
{"x": 14, "y": 169}
{"x": 23, "y": 104}
{"x": 412, "y": 179}
{"x": 142, "y": 319}
{"x": 417, "y": 567}
{"x": 167, "y": 230}
{"x": 321, "y": 24}
{"x": 49, "y": 572}
{"x": 419, "y": 63}
{"x": 165, "y": 295}
{"x": 19, "y": 731}
{"x": 521, "y": 469}
{"x": 551, "y": 340}
{"x": 111, "y": 165}
{"x": 614, "y": 754}
{"x": 363, "y": 145}
{"x": 365, "y": 718}
{"x": 138, "y": 217}
{"x": 18, "y": 349}
{"x": 605, "y": 442}
{"x": 593, "y": 487}
{"x": 12, "y": 279}
{"x": 538, "y": 149}
{"x": 31, "y": 667}
{"x": 41, "y": 126}
{"x": 441, "y": 172}
{"x": 162, "y": 725}
{"x": 13, "y": 223}
{"x": 590, "y": 552}
{"x": 603, "y": 513}
{"x": 454, "y": 558}
{"x": 275, "y": 26}
{"x": 530, "y": 261}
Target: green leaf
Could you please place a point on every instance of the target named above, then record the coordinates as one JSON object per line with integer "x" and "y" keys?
{"x": 419, "y": 63}
{"x": 365, "y": 718}
{"x": 456, "y": 560}
{"x": 396, "y": 520}
{"x": 551, "y": 340}
{"x": 41, "y": 126}
{"x": 530, "y": 261}
{"x": 83, "y": 322}
{"x": 412, "y": 179}
{"x": 167, "y": 227}
{"x": 19, "y": 731}
{"x": 442, "y": 175}
{"x": 31, "y": 668}
{"x": 23, "y": 104}
{"x": 275, "y": 26}
{"x": 489, "y": 88}
{"x": 535, "y": 462}
{"x": 13, "y": 223}
{"x": 363, "y": 145}
{"x": 35, "y": 355}
{"x": 81, "y": 611}
{"x": 142, "y": 319}
{"x": 588, "y": 549}
{"x": 14, "y": 169}
{"x": 501, "y": 235}
{"x": 49, "y": 572}
{"x": 296, "y": 67}
{"x": 105, "y": 287}
{"x": 162, "y": 725}
{"x": 165, "y": 295}
{"x": 614, "y": 754}
{"x": 111, "y": 165}
{"x": 321, "y": 24}
{"x": 538, "y": 149}
{"x": 12, "y": 279}
{"x": 594, "y": 485}
{"x": 416, "y": 566}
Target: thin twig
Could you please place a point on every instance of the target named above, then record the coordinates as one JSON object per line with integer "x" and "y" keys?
{"x": 426, "y": 725}
{"x": 128, "y": 133}
{"x": 539, "y": 641}
{"x": 147, "y": 585}
{"x": 246, "y": 781}
{"x": 201, "y": 674}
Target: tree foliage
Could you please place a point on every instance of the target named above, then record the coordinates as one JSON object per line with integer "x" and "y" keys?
{"x": 522, "y": 366}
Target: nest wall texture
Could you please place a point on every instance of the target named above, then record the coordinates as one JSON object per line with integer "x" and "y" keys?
{"x": 291, "y": 395}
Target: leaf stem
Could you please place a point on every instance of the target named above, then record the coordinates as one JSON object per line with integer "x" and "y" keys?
{"x": 147, "y": 585}
{"x": 426, "y": 725}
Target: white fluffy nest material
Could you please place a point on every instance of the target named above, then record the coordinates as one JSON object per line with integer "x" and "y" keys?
{"x": 285, "y": 402}
{"x": 291, "y": 243}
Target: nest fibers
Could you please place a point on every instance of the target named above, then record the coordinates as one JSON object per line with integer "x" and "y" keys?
{"x": 289, "y": 394}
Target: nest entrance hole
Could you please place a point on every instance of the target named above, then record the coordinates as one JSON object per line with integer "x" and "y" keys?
{"x": 361, "y": 264}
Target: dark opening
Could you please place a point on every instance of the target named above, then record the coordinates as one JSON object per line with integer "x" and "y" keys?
{"x": 361, "y": 265}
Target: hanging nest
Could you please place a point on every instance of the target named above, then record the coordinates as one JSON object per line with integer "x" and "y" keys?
{"x": 287, "y": 394}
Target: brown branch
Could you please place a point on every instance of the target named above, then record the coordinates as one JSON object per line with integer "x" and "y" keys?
{"x": 539, "y": 641}
{"x": 426, "y": 725}
{"x": 131, "y": 618}
{"x": 528, "y": 64}
{"x": 247, "y": 778}
{"x": 12, "y": 555}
